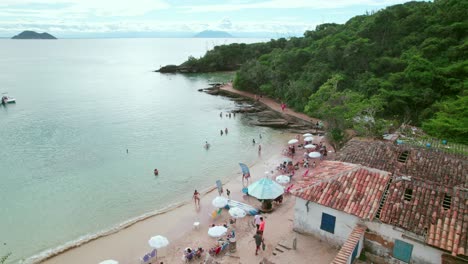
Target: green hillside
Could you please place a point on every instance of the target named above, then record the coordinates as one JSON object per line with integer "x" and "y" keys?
{"x": 406, "y": 63}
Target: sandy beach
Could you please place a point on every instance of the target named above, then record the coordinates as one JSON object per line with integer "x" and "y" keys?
{"x": 130, "y": 244}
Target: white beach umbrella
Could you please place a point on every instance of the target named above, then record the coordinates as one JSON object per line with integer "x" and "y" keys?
{"x": 219, "y": 202}
{"x": 310, "y": 146}
{"x": 158, "y": 242}
{"x": 293, "y": 141}
{"x": 307, "y": 135}
{"x": 315, "y": 154}
{"x": 237, "y": 212}
{"x": 282, "y": 179}
{"x": 308, "y": 139}
{"x": 109, "y": 261}
{"x": 217, "y": 231}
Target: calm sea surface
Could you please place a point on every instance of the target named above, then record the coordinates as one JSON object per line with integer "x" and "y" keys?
{"x": 64, "y": 170}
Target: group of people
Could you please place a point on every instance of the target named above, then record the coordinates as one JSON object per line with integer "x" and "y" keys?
{"x": 193, "y": 253}
{"x": 225, "y": 131}
{"x": 227, "y": 115}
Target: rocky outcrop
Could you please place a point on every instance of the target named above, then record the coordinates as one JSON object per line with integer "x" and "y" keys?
{"x": 33, "y": 35}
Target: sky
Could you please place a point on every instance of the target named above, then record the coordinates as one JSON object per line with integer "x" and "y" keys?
{"x": 159, "y": 18}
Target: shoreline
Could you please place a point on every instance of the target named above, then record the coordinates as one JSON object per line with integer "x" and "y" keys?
{"x": 47, "y": 254}
{"x": 167, "y": 217}
{"x": 73, "y": 251}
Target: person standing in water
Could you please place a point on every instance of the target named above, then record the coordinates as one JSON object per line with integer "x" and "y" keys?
{"x": 196, "y": 198}
{"x": 253, "y": 141}
{"x": 259, "y": 148}
{"x": 221, "y": 132}
{"x": 226, "y": 131}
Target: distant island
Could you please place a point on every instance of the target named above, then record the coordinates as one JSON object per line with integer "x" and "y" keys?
{"x": 213, "y": 34}
{"x": 33, "y": 35}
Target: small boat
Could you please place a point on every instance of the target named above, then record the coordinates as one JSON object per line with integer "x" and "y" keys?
{"x": 7, "y": 99}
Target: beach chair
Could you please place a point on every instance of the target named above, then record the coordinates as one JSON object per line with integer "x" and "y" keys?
{"x": 149, "y": 258}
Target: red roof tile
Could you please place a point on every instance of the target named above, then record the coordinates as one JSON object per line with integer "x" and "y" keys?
{"x": 354, "y": 189}
{"x": 424, "y": 163}
{"x": 425, "y": 215}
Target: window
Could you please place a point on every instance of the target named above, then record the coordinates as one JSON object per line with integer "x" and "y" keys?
{"x": 408, "y": 194}
{"x": 328, "y": 223}
{"x": 447, "y": 201}
{"x": 403, "y": 156}
{"x": 402, "y": 250}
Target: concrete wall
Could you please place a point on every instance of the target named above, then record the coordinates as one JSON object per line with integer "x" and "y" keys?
{"x": 380, "y": 240}
{"x": 309, "y": 222}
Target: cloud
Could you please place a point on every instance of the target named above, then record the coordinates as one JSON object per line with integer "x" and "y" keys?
{"x": 288, "y": 4}
{"x": 83, "y": 8}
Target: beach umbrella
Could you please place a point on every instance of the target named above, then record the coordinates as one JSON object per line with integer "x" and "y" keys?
{"x": 307, "y": 135}
{"x": 293, "y": 141}
{"x": 158, "y": 242}
{"x": 217, "y": 231}
{"x": 315, "y": 155}
{"x": 307, "y": 139}
{"x": 283, "y": 179}
{"x": 310, "y": 146}
{"x": 265, "y": 189}
{"x": 109, "y": 261}
{"x": 237, "y": 212}
{"x": 219, "y": 202}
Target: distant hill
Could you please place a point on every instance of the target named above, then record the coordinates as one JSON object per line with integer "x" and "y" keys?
{"x": 33, "y": 35}
{"x": 213, "y": 34}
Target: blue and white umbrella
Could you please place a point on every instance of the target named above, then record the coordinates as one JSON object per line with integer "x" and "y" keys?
{"x": 265, "y": 189}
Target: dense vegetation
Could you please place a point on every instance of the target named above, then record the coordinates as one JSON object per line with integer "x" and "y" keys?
{"x": 406, "y": 63}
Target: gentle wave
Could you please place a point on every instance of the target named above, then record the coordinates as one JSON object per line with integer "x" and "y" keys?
{"x": 49, "y": 253}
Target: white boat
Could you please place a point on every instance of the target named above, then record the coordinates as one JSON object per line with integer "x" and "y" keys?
{"x": 7, "y": 99}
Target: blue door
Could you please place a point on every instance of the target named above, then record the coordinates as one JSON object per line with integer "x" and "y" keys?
{"x": 354, "y": 255}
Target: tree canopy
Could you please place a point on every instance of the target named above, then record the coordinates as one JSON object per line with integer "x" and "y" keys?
{"x": 407, "y": 62}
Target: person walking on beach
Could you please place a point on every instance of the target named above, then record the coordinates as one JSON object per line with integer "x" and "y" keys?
{"x": 259, "y": 149}
{"x": 261, "y": 226}
{"x": 258, "y": 242}
{"x": 196, "y": 198}
{"x": 228, "y": 192}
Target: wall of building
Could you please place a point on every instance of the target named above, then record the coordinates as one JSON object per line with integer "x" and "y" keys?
{"x": 380, "y": 239}
{"x": 309, "y": 222}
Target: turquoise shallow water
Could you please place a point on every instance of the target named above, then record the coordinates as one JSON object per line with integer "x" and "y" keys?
{"x": 64, "y": 170}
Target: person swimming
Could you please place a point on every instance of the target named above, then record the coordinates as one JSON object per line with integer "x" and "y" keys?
{"x": 156, "y": 172}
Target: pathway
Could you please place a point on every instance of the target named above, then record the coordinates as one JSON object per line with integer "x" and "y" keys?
{"x": 270, "y": 103}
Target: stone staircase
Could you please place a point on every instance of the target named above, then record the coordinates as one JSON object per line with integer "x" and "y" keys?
{"x": 283, "y": 246}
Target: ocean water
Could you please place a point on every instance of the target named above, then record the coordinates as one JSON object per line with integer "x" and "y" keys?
{"x": 64, "y": 169}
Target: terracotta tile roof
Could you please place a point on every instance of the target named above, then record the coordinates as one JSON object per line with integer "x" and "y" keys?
{"x": 350, "y": 188}
{"x": 433, "y": 211}
{"x": 424, "y": 163}
{"x": 347, "y": 250}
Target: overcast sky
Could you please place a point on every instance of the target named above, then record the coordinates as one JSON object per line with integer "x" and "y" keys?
{"x": 78, "y": 17}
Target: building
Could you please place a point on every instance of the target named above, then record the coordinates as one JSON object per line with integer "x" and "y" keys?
{"x": 413, "y": 203}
